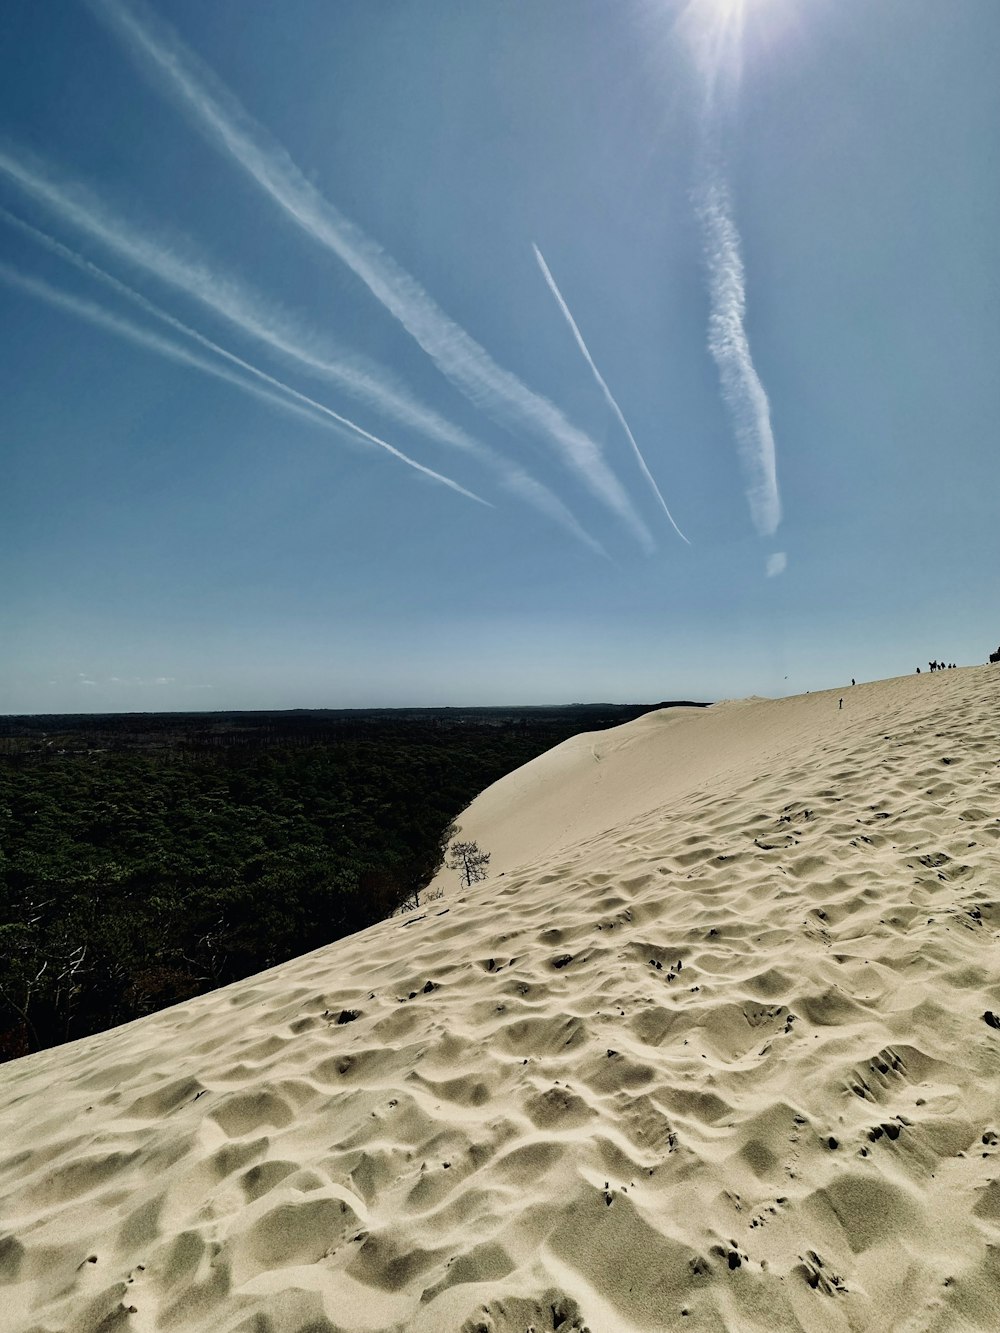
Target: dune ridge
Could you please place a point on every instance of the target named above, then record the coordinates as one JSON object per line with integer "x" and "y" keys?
{"x": 716, "y": 1046}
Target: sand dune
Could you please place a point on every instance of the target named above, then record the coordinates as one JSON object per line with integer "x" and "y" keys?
{"x": 713, "y": 1048}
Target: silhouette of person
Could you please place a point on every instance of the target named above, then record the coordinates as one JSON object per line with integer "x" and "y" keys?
{"x": 841, "y": 704}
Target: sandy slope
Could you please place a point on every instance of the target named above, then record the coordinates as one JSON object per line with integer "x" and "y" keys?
{"x": 710, "y": 1054}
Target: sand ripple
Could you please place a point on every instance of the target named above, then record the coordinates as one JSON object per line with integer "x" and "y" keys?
{"x": 717, "y": 1058}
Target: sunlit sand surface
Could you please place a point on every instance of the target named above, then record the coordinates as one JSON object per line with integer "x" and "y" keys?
{"x": 713, "y": 1047}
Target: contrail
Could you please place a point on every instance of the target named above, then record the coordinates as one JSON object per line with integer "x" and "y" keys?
{"x": 295, "y": 402}
{"x": 742, "y": 390}
{"x": 125, "y": 328}
{"x": 511, "y": 476}
{"x": 609, "y": 396}
{"x": 217, "y": 112}
{"x": 714, "y": 35}
{"x": 537, "y": 494}
{"x": 223, "y": 295}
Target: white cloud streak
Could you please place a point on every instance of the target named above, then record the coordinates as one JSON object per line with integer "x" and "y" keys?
{"x": 714, "y": 35}
{"x": 228, "y": 298}
{"x": 742, "y": 390}
{"x": 777, "y": 563}
{"x": 608, "y": 395}
{"x": 141, "y": 680}
{"x": 219, "y": 115}
{"x": 276, "y": 393}
{"x": 172, "y": 263}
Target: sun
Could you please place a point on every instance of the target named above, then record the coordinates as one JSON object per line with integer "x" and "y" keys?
{"x": 728, "y": 11}
{"x": 720, "y": 33}
{"x": 725, "y": 37}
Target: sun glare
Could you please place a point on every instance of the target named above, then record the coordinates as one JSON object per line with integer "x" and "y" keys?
{"x": 717, "y": 32}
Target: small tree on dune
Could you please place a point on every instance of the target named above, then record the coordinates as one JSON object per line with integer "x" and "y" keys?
{"x": 469, "y": 860}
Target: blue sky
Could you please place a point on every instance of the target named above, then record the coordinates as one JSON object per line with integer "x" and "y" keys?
{"x": 423, "y": 352}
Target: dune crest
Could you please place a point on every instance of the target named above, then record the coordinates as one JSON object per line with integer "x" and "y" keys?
{"x": 716, "y": 1046}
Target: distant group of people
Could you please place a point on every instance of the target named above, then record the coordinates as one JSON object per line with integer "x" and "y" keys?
{"x": 940, "y": 666}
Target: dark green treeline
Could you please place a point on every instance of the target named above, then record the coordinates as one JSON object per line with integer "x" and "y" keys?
{"x": 147, "y": 858}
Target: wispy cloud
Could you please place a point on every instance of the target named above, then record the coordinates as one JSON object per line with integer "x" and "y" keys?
{"x": 172, "y": 261}
{"x": 533, "y": 492}
{"x": 742, "y": 390}
{"x": 777, "y": 563}
{"x": 268, "y": 388}
{"x": 714, "y": 36}
{"x": 230, "y": 299}
{"x": 132, "y": 332}
{"x": 141, "y": 680}
{"x": 217, "y": 112}
{"x": 608, "y": 395}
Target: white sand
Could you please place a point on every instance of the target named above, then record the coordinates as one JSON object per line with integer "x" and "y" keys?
{"x": 537, "y": 1120}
